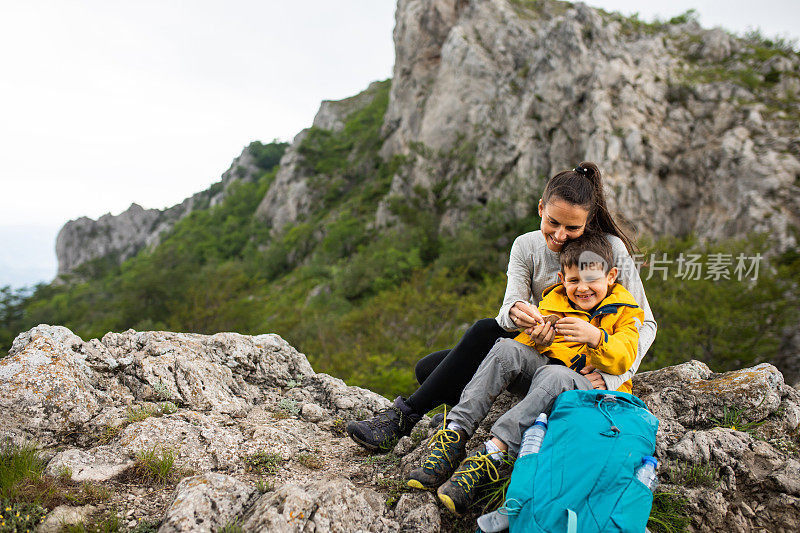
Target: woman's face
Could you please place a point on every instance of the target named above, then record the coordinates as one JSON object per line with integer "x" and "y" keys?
{"x": 561, "y": 221}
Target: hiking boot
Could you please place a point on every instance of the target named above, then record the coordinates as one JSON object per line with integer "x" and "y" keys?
{"x": 437, "y": 420}
{"x": 459, "y": 492}
{"x": 381, "y": 432}
{"x": 447, "y": 448}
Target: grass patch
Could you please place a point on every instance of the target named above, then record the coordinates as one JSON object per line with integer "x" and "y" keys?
{"x": 109, "y": 522}
{"x": 18, "y": 465}
{"x": 310, "y": 460}
{"x": 168, "y": 408}
{"x": 669, "y": 513}
{"x": 146, "y": 526}
{"x": 493, "y": 493}
{"x": 108, "y": 433}
{"x": 418, "y": 435}
{"x": 389, "y": 459}
{"x": 26, "y": 493}
{"x": 233, "y": 526}
{"x": 396, "y": 488}
{"x": 264, "y": 485}
{"x": 263, "y": 463}
{"x": 137, "y": 414}
{"x": 155, "y": 466}
{"x": 693, "y": 475}
{"x": 734, "y": 419}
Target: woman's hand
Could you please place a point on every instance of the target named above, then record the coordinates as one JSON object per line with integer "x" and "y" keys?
{"x": 590, "y": 373}
{"x": 574, "y": 329}
{"x": 524, "y": 315}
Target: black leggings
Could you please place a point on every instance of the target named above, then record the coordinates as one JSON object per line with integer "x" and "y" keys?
{"x": 443, "y": 375}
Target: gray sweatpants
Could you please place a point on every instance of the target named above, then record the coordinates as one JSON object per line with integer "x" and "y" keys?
{"x": 524, "y": 371}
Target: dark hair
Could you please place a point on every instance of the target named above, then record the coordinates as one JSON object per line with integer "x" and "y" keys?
{"x": 572, "y": 254}
{"x": 583, "y": 187}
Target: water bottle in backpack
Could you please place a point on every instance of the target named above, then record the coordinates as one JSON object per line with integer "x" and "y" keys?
{"x": 646, "y": 473}
{"x": 533, "y": 436}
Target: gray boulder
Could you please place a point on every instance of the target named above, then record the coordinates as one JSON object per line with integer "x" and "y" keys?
{"x": 241, "y": 414}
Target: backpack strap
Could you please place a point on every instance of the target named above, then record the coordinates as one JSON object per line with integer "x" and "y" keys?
{"x": 572, "y": 521}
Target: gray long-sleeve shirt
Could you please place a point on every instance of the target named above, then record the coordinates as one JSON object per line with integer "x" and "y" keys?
{"x": 533, "y": 267}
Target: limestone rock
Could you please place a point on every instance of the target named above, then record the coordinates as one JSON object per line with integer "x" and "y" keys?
{"x": 223, "y": 372}
{"x": 740, "y": 426}
{"x": 47, "y": 389}
{"x": 99, "y": 464}
{"x": 264, "y": 415}
{"x": 335, "y": 505}
{"x": 206, "y": 503}
{"x": 64, "y": 515}
{"x": 418, "y": 513}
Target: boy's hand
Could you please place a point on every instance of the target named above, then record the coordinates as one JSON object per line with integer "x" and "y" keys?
{"x": 542, "y": 334}
{"x": 576, "y": 330}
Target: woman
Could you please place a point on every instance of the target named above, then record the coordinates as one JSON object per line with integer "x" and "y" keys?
{"x": 572, "y": 201}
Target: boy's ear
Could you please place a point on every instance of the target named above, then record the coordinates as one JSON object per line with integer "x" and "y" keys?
{"x": 541, "y": 207}
{"x": 560, "y": 277}
{"x": 612, "y": 275}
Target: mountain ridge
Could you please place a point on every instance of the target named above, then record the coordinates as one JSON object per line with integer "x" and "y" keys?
{"x": 693, "y": 128}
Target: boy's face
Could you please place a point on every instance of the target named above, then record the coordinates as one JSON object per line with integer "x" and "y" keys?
{"x": 588, "y": 286}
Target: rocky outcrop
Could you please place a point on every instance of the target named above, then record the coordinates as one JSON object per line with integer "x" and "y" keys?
{"x": 290, "y": 197}
{"x": 677, "y": 116}
{"x": 257, "y": 436}
{"x": 119, "y": 237}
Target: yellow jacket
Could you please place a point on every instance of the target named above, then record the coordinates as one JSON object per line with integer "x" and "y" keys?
{"x": 616, "y": 316}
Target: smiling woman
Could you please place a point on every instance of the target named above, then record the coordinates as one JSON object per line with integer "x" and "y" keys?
{"x": 572, "y": 202}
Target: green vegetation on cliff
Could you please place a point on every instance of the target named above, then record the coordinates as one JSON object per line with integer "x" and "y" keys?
{"x": 366, "y": 304}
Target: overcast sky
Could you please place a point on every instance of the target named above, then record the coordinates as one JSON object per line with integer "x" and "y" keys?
{"x": 104, "y": 103}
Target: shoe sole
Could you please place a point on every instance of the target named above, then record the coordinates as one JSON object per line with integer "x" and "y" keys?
{"x": 368, "y": 446}
{"x": 448, "y": 502}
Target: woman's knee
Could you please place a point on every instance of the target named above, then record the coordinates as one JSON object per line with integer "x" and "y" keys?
{"x": 485, "y": 327}
{"x": 425, "y": 366}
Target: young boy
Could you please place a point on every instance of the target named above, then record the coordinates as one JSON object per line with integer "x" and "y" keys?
{"x": 597, "y": 326}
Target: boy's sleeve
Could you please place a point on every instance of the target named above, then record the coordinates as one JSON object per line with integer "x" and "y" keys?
{"x": 616, "y": 351}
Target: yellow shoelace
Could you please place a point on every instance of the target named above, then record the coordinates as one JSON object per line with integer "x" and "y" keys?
{"x": 478, "y": 464}
{"x": 439, "y": 443}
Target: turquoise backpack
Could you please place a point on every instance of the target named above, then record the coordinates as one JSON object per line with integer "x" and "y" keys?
{"x": 582, "y": 479}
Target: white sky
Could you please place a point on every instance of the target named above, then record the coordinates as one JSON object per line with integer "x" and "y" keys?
{"x": 104, "y": 103}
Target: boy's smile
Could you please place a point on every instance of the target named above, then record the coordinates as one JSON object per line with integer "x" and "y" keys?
{"x": 589, "y": 286}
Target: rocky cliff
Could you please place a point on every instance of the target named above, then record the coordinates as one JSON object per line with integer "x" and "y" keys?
{"x": 695, "y": 130}
{"x": 257, "y": 438}
{"x": 119, "y": 237}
